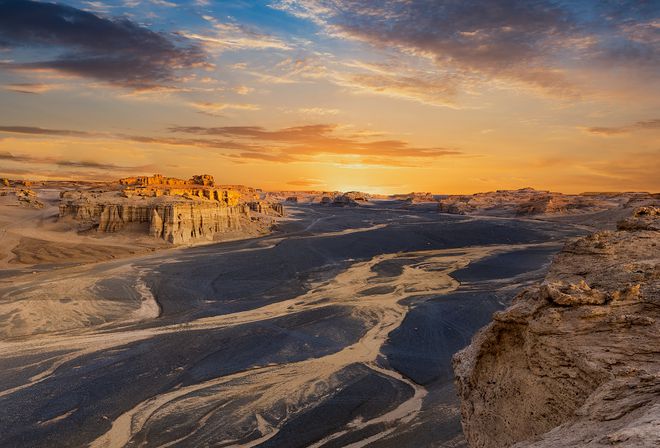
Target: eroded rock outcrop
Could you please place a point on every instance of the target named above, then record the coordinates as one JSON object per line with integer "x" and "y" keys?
{"x": 28, "y": 198}
{"x": 531, "y": 202}
{"x": 186, "y": 222}
{"x": 175, "y": 210}
{"x": 414, "y": 197}
{"x": 266, "y": 208}
{"x": 23, "y": 196}
{"x": 574, "y": 362}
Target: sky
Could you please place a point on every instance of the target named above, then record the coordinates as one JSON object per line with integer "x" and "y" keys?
{"x": 395, "y": 96}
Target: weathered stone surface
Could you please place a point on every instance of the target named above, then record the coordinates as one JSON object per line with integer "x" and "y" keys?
{"x": 644, "y": 218}
{"x": 28, "y": 198}
{"x": 266, "y": 208}
{"x": 576, "y": 361}
{"x": 186, "y": 222}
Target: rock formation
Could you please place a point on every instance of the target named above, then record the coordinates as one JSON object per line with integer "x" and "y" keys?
{"x": 348, "y": 199}
{"x": 344, "y": 200}
{"x": 414, "y": 197}
{"x": 574, "y": 362}
{"x": 530, "y": 202}
{"x": 266, "y": 208}
{"x": 23, "y": 196}
{"x": 186, "y": 222}
{"x": 204, "y": 180}
{"x": 175, "y": 210}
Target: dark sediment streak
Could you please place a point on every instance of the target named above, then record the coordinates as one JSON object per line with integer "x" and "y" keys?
{"x": 82, "y": 397}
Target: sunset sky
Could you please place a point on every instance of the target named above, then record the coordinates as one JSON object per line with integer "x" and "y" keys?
{"x": 383, "y": 96}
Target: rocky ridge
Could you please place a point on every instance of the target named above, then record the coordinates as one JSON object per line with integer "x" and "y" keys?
{"x": 574, "y": 362}
{"x": 531, "y": 202}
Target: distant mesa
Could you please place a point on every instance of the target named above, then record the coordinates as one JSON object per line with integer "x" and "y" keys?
{"x": 204, "y": 180}
{"x": 175, "y": 210}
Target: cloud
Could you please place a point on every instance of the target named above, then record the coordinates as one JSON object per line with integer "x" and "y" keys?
{"x": 243, "y": 90}
{"x": 306, "y": 182}
{"x": 221, "y": 144}
{"x": 213, "y": 109}
{"x": 308, "y": 68}
{"x": 425, "y": 88}
{"x": 322, "y": 111}
{"x": 267, "y": 157}
{"x": 33, "y": 130}
{"x": 76, "y": 42}
{"x": 31, "y": 88}
{"x": 646, "y": 125}
{"x": 540, "y": 45}
{"x": 232, "y": 36}
{"x": 292, "y": 144}
{"x": 82, "y": 164}
{"x": 173, "y": 141}
{"x": 319, "y": 139}
{"x": 637, "y": 170}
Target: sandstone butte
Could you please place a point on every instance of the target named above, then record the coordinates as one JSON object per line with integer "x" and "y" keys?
{"x": 175, "y": 210}
{"x": 575, "y": 361}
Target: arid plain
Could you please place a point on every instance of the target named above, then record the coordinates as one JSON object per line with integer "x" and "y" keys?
{"x": 330, "y": 321}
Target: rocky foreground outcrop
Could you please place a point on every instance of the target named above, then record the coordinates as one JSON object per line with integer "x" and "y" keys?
{"x": 177, "y": 211}
{"x": 574, "y": 362}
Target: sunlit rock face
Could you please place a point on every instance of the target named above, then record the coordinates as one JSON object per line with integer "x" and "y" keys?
{"x": 573, "y": 362}
{"x": 183, "y": 223}
{"x": 175, "y": 210}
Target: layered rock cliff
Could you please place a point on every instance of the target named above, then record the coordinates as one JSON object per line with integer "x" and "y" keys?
{"x": 182, "y": 223}
{"x": 173, "y": 221}
{"x": 174, "y": 210}
{"x": 575, "y": 361}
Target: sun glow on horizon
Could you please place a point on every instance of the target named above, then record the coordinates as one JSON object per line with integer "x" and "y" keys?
{"x": 317, "y": 95}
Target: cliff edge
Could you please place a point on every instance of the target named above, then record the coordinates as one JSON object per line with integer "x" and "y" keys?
{"x": 574, "y": 362}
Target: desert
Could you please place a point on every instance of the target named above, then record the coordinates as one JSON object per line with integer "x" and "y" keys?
{"x": 258, "y": 326}
{"x": 329, "y": 224}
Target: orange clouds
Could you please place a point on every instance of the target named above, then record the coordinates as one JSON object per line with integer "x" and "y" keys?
{"x": 293, "y": 144}
{"x": 646, "y": 125}
{"x": 300, "y": 142}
